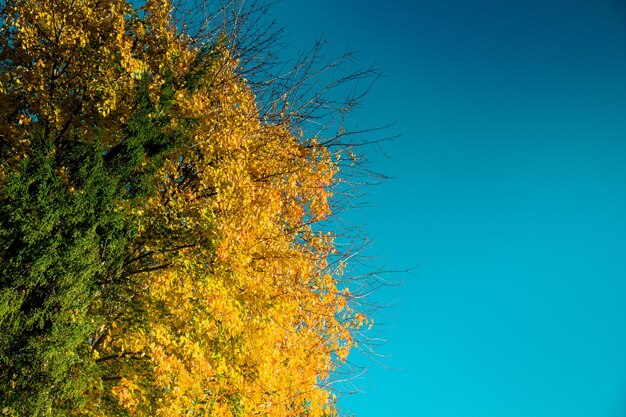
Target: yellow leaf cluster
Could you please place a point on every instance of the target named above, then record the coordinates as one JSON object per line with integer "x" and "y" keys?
{"x": 75, "y": 64}
{"x": 249, "y": 317}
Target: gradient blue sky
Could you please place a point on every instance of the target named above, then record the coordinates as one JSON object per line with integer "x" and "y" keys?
{"x": 509, "y": 196}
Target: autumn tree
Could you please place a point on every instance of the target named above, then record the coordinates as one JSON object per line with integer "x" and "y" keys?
{"x": 160, "y": 240}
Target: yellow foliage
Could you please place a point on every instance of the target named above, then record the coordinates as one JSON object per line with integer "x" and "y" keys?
{"x": 239, "y": 312}
{"x": 249, "y": 317}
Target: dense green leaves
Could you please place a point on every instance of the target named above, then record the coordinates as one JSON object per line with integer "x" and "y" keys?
{"x": 64, "y": 240}
{"x": 59, "y": 239}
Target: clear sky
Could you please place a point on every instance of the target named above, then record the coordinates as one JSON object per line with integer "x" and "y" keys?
{"x": 509, "y": 198}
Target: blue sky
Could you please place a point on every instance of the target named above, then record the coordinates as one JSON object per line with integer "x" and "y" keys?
{"x": 508, "y": 197}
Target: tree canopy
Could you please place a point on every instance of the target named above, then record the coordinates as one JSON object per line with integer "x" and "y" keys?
{"x": 159, "y": 244}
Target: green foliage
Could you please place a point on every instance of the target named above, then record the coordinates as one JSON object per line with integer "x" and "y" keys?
{"x": 63, "y": 242}
{"x": 57, "y": 239}
{"x": 145, "y": 141}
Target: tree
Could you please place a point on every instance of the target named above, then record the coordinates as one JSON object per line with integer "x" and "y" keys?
{"x": 176, "y": 266}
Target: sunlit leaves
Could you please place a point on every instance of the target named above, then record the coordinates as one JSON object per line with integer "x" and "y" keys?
{"x": 221, "y": 299}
